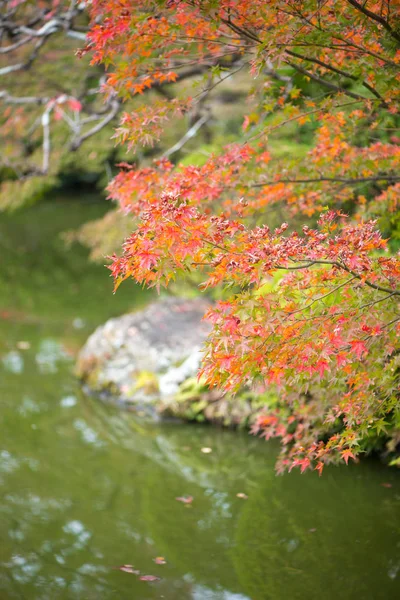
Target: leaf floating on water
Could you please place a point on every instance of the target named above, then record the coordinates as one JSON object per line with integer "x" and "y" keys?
{"x": 185, "y": 499}
{"x": 149, "y": 578}
{"x": 206, "y": 450}
{"x": 22, "y": 345}
{"x": 241, "y": 495}
{"x": 132, "y": 571}
{"x": 386, "y": 485}
{"x": 160, "y": 560}
{"x": 128, "y": 569}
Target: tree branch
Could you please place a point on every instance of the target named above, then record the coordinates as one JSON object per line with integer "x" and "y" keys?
{"x": 325, "y": 83}
{"x": 9, "y": 99}
{"x": 371, "y": 15}
{"x": 338, "y": 265}
{"x": 78, "y": 141}
{"x": 188, "y": 135}
{"x": 336, "y": 70}
{"x": 350, "y": 181}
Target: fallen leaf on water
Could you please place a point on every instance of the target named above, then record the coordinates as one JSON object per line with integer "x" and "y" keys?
{"x": 206, "y": 450}
{"x": 5, "y": 314}
{"x": 185, "y": 499}
{"x": 386, "y": 485}
{"x": 149, "y": 578}
{"x": 241, "y": 495}
{"x": 160, "y": 560}
{"x": 128, "y": 569}
{"x": 22, "y": 345}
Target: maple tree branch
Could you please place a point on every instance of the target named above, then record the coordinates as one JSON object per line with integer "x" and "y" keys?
{"x": 209, "y": 88}
{"x": 9, "y": 99}
{"x": 348, "y": 46}
{"x": 391, "y": 323}
{"x": 308, "y": 263}
{"x": 30, "y": 33}
{"x": 340, "y": 265}
{"x": 268, "y": 129}
{"x": 61, "y": 21}
{"x": 393, "y": 292}
{"x": 371, "y": 15}
{"x": 348, "y": 42}
{"x": 336, "y": 70}
{"x": 28, "y": 63}
{"x": 15, "y": 46}
{"x": 335, "y": 289}
{"x": 188, "y": 135}
{"x": 115, "y": 105}
{"x": 296, "y": 268}
{"x": 333, "y": 87}
{"x": 346, "y": 180}
{"x": 254, "y": 38}
{"x": 101, "y": 117}
{"x": 376, "y": 301}
{"x": 240, "y": 31}
{"x": 328, "y": 84}
{"x": 46, "y": 141}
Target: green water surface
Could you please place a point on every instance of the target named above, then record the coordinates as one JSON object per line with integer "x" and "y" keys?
{"x": 86, "y": 488}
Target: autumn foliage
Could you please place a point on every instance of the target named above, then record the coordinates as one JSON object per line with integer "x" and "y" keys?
{"x": 310, "y": 307}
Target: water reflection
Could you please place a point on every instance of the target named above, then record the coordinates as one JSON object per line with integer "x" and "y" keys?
{"x": 50, "y": 352}
{"x": 86, "y": 488}
{"x": 92, "y": 488}
{"x": 68, "y": 401}
{"x": 13, "y": 362}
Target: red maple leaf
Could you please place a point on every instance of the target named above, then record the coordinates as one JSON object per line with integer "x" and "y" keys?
{"x": 346, "y": 454}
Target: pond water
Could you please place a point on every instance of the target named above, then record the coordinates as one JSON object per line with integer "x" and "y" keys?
{"x": 86, "y": 488}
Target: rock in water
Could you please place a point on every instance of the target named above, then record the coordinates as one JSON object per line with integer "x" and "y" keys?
{"x": 145, "y": 356}
{"x": 150, "y": 359}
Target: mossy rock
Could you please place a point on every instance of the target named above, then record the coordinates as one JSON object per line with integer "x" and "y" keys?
{"x": 150, "y": 359}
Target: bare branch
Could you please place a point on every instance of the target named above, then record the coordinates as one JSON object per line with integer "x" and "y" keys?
{"x": 46, "y": 141}
{"x": 115, "y": 107}
{"x": 37, "y": 30}
{"x": 188, "y": 135}
{"x": 9, "y": 99}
